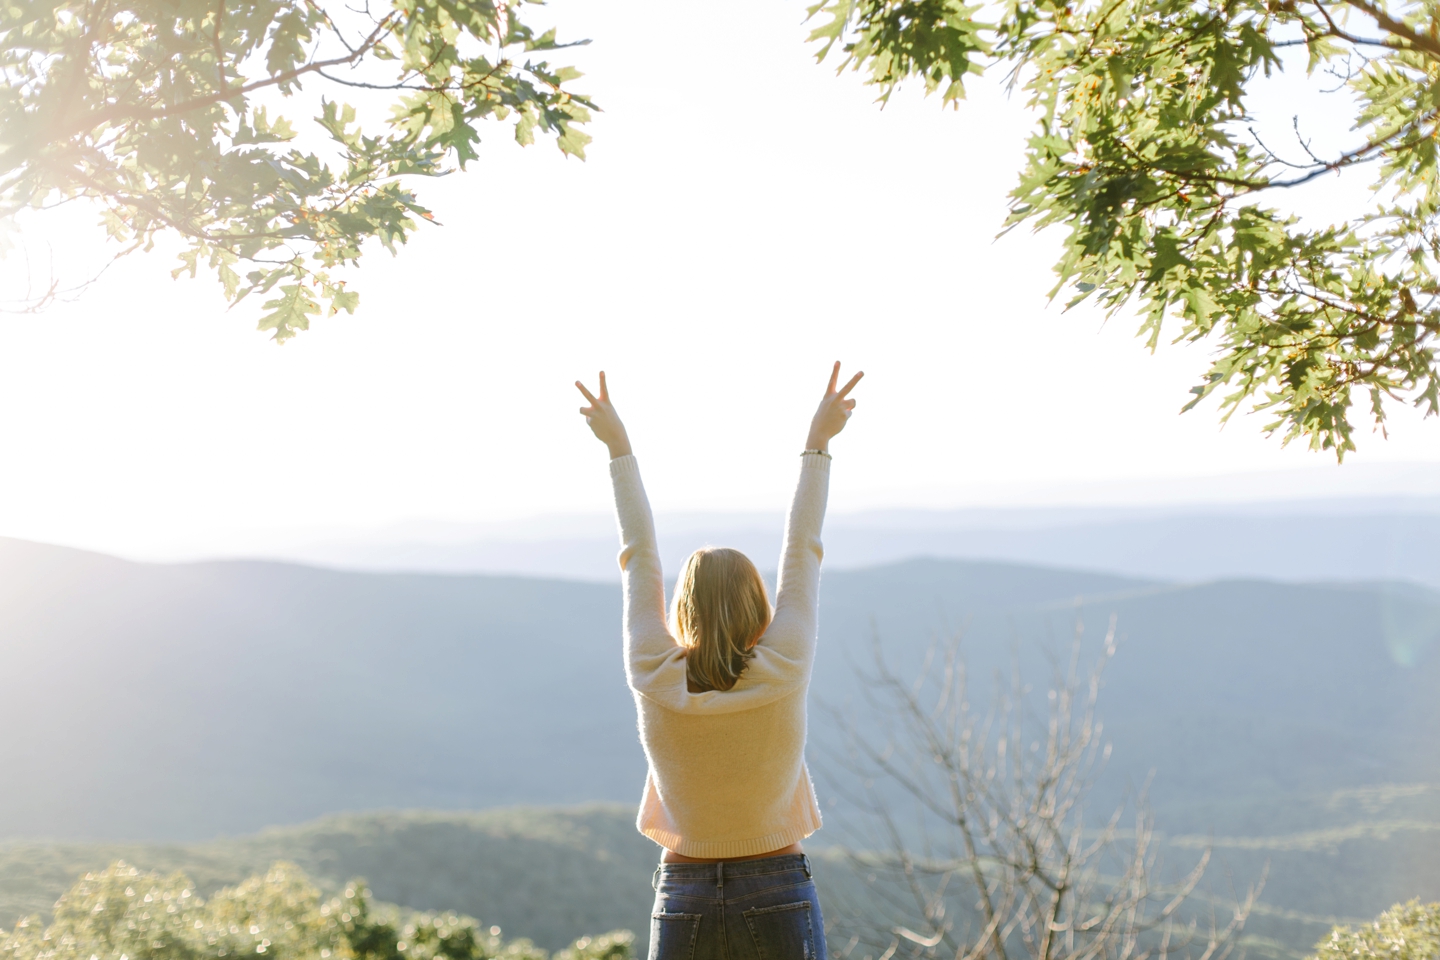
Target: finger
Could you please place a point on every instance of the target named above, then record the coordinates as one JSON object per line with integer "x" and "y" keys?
{"x": 834, "y": 375}
{"x": 587, "y": 412}
{"x": 848, "y": 404}
{"x": 604, "y": 390}
{"x": 853, "y": 380}
{"x": 588, "y": 395}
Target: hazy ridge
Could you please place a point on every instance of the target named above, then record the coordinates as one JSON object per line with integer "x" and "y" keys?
{"x": 1349, "y": 538}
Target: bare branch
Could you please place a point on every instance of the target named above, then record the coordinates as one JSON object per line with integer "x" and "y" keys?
{"x": 1000, "y": 862}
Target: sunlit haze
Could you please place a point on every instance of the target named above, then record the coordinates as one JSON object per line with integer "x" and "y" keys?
{"x": 744, "y": 219}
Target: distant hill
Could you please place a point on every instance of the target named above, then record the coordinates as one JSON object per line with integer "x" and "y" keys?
{"x": 552, "y": 875}
{"x": 177, "y": 702}
{"x": 1325, "y": 540}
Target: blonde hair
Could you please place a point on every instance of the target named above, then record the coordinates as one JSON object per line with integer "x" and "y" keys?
{"x": 719, "y": 612}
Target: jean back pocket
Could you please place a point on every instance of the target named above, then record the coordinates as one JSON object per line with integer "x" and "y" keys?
{"x": 673, "y": 935}
{"x": 782, "y": 932}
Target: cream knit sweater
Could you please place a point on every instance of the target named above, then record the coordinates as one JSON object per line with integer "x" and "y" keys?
{"x": 727, "y": 768}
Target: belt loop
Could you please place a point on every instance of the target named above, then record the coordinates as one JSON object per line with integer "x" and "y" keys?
{"x": 805, "y": 862}
{"x": 655, "y": 880}
{"x": 720, "y": 876}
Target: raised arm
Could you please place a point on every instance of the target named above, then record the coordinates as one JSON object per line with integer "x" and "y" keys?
{"x": 792, "y": 634}
{"x": 648, "y": 644}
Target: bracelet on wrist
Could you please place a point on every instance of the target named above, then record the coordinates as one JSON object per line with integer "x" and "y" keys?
{"x": 819, "y": 451}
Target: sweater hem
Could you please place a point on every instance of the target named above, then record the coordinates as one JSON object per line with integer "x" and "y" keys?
{"x": 724, "y": 849}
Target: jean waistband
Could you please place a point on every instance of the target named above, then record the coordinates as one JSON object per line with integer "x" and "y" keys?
{"x": 722, "y": 870}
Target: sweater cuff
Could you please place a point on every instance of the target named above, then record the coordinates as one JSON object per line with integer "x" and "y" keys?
{"x": 813, "y": 461}
{"x": 625, "y": 466}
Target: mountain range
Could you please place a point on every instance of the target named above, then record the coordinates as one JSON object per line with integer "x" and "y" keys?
{"x": 1292, "y": 723}
{"x": 1352, "y": 539}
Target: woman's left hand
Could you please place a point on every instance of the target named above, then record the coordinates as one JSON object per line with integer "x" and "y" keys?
{"x": 604, "y": 421}
{"x": 834, "y": 410}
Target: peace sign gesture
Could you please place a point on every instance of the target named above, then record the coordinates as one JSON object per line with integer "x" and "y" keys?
{"x": 604, "y": 421}
{"x": 835, "y": 409}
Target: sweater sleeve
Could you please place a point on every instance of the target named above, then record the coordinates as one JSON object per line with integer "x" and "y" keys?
{"x": 649, "y": 647}
{"x": 787, "y": 650}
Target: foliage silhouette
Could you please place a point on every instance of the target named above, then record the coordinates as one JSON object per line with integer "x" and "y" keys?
{"x": 163, "y": 113}
{"x": 1145, "y": 153}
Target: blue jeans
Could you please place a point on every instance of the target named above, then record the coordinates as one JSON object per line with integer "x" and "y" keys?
{"x": 743, "y": 910}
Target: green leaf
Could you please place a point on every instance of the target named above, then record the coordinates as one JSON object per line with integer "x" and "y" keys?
{"x": 289, "y": 313}
{"x": 344, "y": 300}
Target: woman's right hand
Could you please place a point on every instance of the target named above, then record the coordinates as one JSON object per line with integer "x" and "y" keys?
{"x": 604, "y": 421}
{"x": 834, "y": 410}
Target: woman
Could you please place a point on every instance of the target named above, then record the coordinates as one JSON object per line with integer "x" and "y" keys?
{"x": 720, "y": 693}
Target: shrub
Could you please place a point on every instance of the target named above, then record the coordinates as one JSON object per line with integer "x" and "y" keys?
{"x": 123, "y": 914}
{"x": 1407, "y": 931}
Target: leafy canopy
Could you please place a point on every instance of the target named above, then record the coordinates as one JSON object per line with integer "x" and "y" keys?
{"x": 164, "y": 111}
{"x": 1144, "y": 154}
{"x": 122, "y": 914}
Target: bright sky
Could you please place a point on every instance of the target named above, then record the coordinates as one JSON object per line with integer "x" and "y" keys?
{"x": 744, "y": 219}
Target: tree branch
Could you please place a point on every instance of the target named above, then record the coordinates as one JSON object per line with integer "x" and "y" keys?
{"x": 126, "y": 114}
{"x": 1389, "y": 24}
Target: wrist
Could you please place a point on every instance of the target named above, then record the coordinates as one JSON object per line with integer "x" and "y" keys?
{"x": 818, "y": 443}
{"x": 620, "y": 448}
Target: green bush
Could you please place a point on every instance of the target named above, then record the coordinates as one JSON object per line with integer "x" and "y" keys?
{"x": 1407, "y": 931}
{"x": 123, "y": 914}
